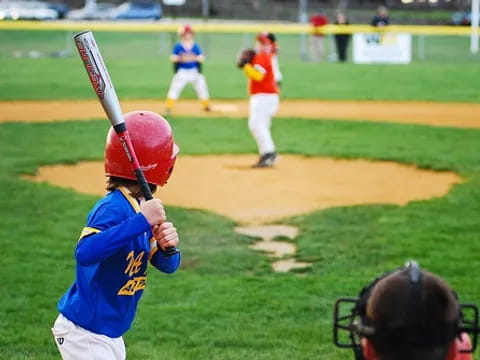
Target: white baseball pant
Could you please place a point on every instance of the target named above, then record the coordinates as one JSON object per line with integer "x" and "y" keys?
{"x": 262, "y": 108}
{"x": 184, "y": 76}
{"x": 76, "y": 343}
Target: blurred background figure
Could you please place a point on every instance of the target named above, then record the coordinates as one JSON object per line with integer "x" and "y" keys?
{"x": 341, "y": 39}
{"x": 187, "y": 58}
{"x": 317, "y": 39}
{"x": 381, "y": 17}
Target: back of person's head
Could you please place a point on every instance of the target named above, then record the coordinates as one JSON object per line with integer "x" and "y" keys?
{"x": 415, "y": 316}
{"x": 409, "y": 314}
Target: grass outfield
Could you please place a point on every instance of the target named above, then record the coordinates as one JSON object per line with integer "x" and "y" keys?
{"x": 138, "y": 64}
{"x": 225, "y": 302}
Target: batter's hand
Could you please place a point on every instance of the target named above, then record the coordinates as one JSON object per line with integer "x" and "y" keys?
{"x": 166, "y": 235}
{"x": 153, "y": 211}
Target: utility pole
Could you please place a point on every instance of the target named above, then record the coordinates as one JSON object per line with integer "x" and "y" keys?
{"x": 303, "y": 19}
{"x": 205, "y": 10}
{"x": 475, "y": 20}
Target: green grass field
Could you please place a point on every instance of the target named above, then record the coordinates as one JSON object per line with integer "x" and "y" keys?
{"x": 138, "y": 64}
{"x": 225, "y": 302}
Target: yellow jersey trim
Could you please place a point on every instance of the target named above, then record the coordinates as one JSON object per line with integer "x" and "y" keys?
{"x": 136, "y": 207}
{"x": 88, "y": 231}
{"x": 153, "y": 248}
{"x": 131, "y": 199}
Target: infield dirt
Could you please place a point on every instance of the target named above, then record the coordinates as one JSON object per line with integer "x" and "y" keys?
{"x": 463, "y": 115}
{"x": 228, "y": 186}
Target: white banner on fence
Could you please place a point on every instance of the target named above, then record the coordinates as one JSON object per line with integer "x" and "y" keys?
{"x": 382, "y": 48}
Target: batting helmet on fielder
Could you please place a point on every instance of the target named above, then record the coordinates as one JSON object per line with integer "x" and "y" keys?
{"x": 154, "y": 146}
{"x": 186, "y": 29}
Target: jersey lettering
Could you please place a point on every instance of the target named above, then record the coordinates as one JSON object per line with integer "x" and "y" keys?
{"x": 134, "y": 263}
{"x": 133, "y": 285}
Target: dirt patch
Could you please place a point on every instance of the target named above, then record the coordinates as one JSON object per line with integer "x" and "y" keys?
{"x": 226, "y": 185}
{"x": 268, "y": 232}
{"x": 463, "y": 115}
{"x": 275, "y": 249}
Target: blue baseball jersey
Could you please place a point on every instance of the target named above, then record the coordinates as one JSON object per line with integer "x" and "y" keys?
{"x": 179, "y": 49}
{"x": 111, "y": 270}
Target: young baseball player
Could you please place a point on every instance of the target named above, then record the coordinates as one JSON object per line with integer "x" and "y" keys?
{"x": 264, "y": 99}
{"x": 122, "y": 234}
{"x": 187, "y": 58}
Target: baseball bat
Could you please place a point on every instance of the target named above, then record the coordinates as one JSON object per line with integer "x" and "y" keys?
{"x": 103, "y": 87}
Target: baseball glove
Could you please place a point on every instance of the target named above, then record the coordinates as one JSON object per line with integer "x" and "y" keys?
{"x": 245, "y": 57}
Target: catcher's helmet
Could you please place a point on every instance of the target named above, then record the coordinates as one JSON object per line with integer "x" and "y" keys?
{"x": 407, "y": 309}
{"x": 186, "y": 29}
{"x": 154, "y": 146}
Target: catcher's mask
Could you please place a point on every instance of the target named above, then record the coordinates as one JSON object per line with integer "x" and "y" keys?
{"x": 351, "y": 322}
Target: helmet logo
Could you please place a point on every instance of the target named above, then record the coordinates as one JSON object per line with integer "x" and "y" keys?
{"x": 149, "y": 167}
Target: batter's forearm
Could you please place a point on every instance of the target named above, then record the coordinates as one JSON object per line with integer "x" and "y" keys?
{"x": 166, "y": 264}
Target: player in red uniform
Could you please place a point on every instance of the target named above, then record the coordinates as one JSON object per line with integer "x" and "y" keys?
{"x": 264, "y": 100}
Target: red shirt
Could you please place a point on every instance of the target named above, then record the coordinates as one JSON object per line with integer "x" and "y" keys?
{"x": 263, "y": 61}
{"x": 317, "y": 21}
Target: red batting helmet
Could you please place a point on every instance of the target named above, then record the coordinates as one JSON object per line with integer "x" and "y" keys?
{"x": 186, "y": 29}
{"x": 154, "y": 146}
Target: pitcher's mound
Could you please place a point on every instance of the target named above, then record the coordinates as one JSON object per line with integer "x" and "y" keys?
{"x": 297, "y": 185}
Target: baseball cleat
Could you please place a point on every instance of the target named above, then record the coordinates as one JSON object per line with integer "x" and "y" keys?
{"x": 266, "y": 160}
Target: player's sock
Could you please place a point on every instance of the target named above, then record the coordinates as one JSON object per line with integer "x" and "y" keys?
{"x": 169, "y": 104}
{"x": 206, "y": 105}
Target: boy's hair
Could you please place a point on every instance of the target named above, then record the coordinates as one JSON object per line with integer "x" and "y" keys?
{"x": 419, "y": 312}
{"x": 114, "y": 182}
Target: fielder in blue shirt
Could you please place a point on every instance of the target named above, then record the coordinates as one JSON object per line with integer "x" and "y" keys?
{"x": 187, "y": 58}
{"x": 122, "y": 234}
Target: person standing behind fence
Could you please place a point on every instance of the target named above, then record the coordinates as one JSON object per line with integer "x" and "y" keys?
{"x": 317, "y": 38}
{"x": 187, "y": 58}
{"x": 341, "y": 39}
{"x": 381, "y": 18}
